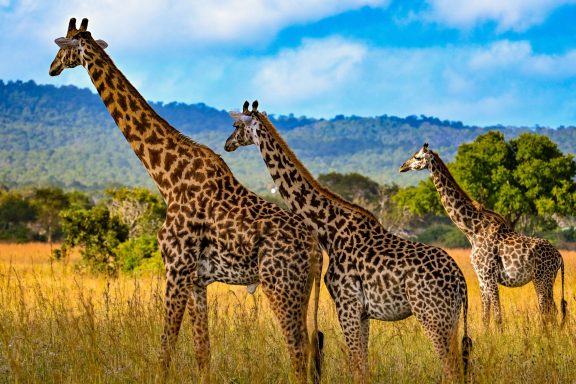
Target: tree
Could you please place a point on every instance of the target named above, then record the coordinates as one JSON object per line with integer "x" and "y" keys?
{"x": 420, "y": 200}
{"x": 352, "y": 186}
{"x": 140, "y": 209}
{"x": 527, "y": 179}
{"x": 98, "y": 233}
{"x": 49, "y": 202}
{"x": 16, "y": 213}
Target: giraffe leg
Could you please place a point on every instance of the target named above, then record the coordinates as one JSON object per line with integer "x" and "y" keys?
{"x": 289, "y": 302}
{"x": 175, "y": 300}
{"x": 544, "y": 287}
{"x": 356, "y": 330}
{"x": 439, "y": 318}
{"x": 494, "y": 295}
{"x": 485, "y": 297}
{"x": 365, "y": 331}
{"x": 198, "y": 310}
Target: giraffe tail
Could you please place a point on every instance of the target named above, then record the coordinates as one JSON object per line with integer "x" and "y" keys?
{"x": 317, "y": 341}
{"x": 563, "y": 302}
{"x": 466, "y": 340}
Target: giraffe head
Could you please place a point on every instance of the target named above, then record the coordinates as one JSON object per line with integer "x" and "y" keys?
{"x": 420, "y": 160}
{"x": 71, "y": 47}
{"x": 246, "y": 124}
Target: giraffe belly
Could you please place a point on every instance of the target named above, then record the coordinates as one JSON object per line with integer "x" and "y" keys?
{"x": 228, "y": 268}
{"x": 389, "y": 305}
{"x": 514, "y": 278}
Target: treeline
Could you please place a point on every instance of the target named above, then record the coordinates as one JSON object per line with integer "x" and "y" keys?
{"x": 63, "y": 136}
{"x": 527, "y": 179}
{"x": 115, "y": 230}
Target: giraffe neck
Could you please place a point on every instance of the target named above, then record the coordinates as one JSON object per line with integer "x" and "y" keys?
{"x": 462, "y": 210}
{"x": 318, "y": 206}
{"x": 156, "y": 143}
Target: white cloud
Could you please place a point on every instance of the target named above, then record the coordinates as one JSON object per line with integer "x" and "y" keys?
{"x": 313, "y": 69}
{"x": 515, "y": 15}
{"x": 153, "y": 22}
{"x": 519, "y": 57}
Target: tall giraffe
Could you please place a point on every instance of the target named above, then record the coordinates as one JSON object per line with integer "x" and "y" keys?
{"x": 499, "y": 255}
{"x": 372, "y": 274}
{"x": 215, "y": 228}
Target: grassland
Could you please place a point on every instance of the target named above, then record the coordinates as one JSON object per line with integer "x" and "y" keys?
{"x": 61, "y": 326}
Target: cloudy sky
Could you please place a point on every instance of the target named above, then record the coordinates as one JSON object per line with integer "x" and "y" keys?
{"x": 481, "y": 62}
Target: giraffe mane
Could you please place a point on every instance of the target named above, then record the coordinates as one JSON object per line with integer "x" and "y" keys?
{"x": 475, "y": 203}
{"x": 306, "y": 174}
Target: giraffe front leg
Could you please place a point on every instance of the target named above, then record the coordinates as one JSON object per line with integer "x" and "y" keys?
{"x": 198, "y": 310}
{"x": 175, "y": 300}
{"x": 485, "y": 297}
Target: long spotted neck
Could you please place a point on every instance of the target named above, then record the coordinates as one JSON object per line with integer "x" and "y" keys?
{"x": 156, "y": 143}
{"x": 320, "y": 208}
{"x": 461, "y": 209}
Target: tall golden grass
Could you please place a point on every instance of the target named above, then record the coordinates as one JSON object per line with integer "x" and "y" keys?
{"x": 60, "y": 326}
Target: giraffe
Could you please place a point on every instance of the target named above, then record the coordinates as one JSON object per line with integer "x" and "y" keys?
{"x": 371, "y": 274}
{"x": 215, "y": 228}
{"x": 499, "y": 255}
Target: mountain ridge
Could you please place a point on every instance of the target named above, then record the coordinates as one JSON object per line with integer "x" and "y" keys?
{"x": 64, "y": 136}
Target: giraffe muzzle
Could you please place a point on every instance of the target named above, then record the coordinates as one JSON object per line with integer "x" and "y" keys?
{"x": 55, "y": 68}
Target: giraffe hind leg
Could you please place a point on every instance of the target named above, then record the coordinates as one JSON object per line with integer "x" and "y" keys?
{"x": 198, "y": 311}
{"x": 289, "y": 302}
{"x": 544, "y": 290}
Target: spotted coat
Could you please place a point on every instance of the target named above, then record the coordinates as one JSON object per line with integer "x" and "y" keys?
{"x": 499, "y": 255}
{"x": 215, "y": 228}
{"x": 372, "y": 274}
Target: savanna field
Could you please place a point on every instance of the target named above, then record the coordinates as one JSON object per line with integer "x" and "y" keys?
{"x": 61, "y": 326}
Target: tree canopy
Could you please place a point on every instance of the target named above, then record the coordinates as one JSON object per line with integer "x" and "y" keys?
{"x": 523, "y": 178}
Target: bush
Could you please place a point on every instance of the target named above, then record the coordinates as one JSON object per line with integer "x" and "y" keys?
{"x": 98, "y": 233}
{"x": 444, "y": 235}
{"x": 140, "y": 254}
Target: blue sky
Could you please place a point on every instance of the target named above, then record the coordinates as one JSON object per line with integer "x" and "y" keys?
{"x": 510, "y": 62}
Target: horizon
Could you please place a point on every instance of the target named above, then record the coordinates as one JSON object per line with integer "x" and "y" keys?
{"x": 293, "y": 115}
{"x": 480, "y": 63}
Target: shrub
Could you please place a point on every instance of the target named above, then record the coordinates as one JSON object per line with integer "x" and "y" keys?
{"x": 444, "y": 235}
{"x": 140, "y": 254}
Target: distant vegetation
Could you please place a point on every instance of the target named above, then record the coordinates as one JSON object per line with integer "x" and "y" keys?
{"x": 63, "y": 136}
{"x": 68, "y": 175}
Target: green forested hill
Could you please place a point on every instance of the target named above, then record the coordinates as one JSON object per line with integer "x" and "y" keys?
{"x": 64, "y": 136}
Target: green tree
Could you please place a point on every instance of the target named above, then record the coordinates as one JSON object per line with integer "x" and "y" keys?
{"x": 49, "y": 202}
{"x": 98, "y": 233}
{"x": 16, "y": 213}
{"x": 352, "y": 186}
{"x": 527, "y": 179}
{"x": 420, "y": 200}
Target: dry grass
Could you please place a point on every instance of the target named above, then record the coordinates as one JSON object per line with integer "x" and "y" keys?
{"x": 59, "y": 326}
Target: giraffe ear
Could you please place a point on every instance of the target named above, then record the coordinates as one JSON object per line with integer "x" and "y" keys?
{"x": 235, "y": 115}
{"x": 102, "y": 44}
{"x": 64, "y": 42}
